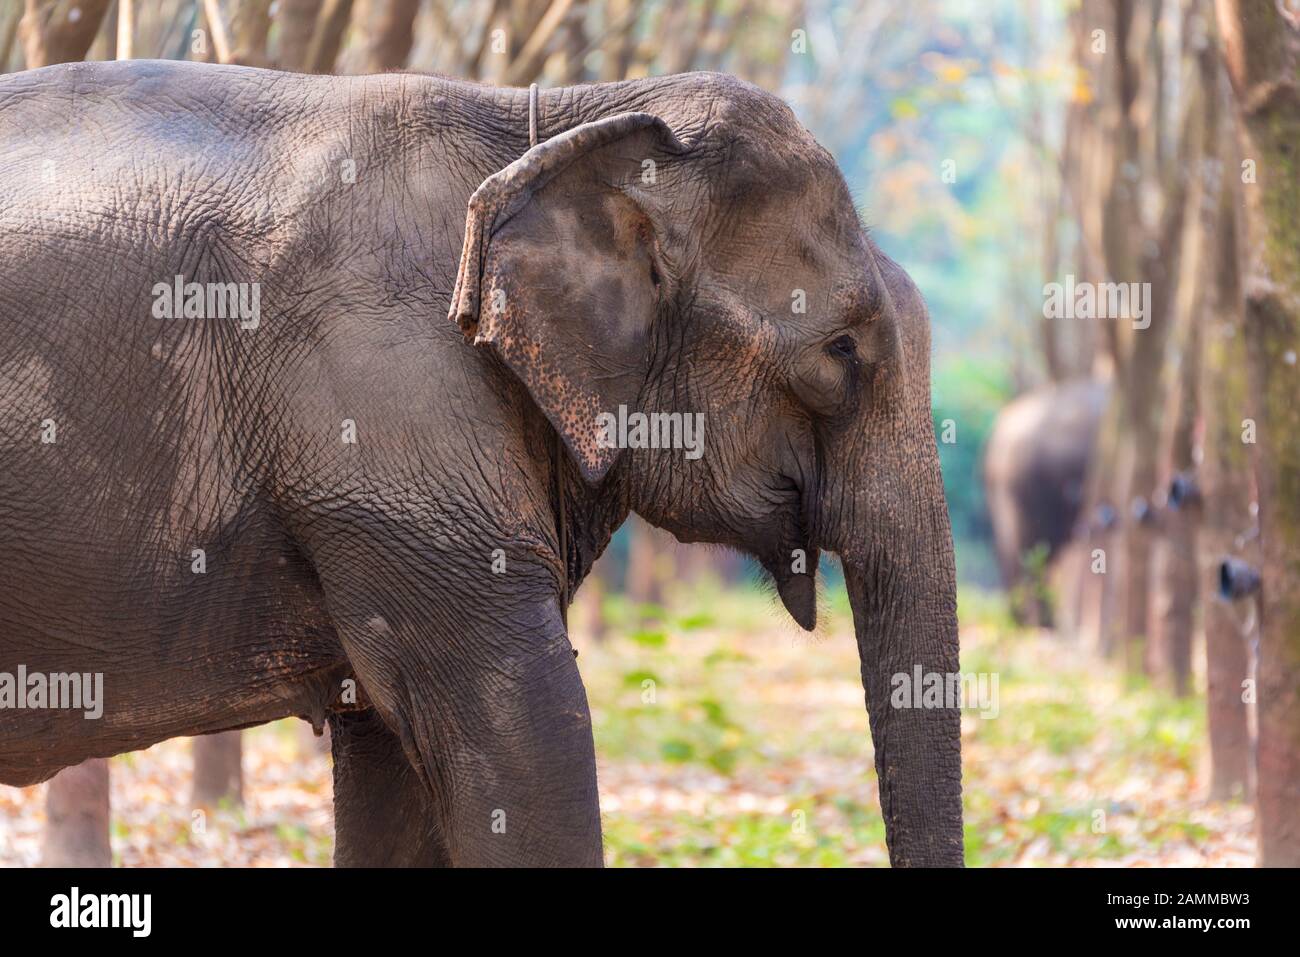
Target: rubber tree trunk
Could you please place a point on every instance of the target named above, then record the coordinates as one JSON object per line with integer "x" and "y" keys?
{"x": 297, "y": 23}
{"x": 1226, "y": 489}
{"x": 1122, "y": 231}
{"x": 77, "y": 817}
{"x": 591, "y": 601}
{"x": 218, "y": 770}
{"x": 392, "y": 34}
{"x": 1144, "y": 399}
{"x": 59, "y": 31}
{"x": 1178, "y": 591}
{"x": 251, "y": 25}
{"x": 1100, "y": 565}
{"x": 1176, "y": 572}
{"x": 1225, "y": 483}
{"x": 1176, "y": 602}
{"x": 327, "y": 37}
{"x": 9, "y": 19}
{"x": 1262, "y": 53}
{"x": 649, "y": 560}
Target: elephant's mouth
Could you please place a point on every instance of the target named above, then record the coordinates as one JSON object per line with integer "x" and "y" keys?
{"x": 792, "y": 563}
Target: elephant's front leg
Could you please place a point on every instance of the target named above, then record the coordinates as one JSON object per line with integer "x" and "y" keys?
{"x": 485, "y": 697}
{"x": 515, "y": 762}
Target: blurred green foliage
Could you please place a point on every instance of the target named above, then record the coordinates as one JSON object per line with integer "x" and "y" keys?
{"x": 967, "y": 395}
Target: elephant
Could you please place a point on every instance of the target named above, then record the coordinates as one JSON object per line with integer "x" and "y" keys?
{"x": 1035, "y": 472}
{"x": 366, "y": 492}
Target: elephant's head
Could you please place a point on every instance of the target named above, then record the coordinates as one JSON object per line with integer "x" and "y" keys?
{"x": 725, "y": 272}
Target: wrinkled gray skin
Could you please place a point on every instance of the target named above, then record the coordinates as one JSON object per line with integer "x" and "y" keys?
{"x": 583, "y": 285}
{"x": 1035, "y": 473}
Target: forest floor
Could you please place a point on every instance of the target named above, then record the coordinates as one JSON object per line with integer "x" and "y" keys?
{"x": 725, "y": 736}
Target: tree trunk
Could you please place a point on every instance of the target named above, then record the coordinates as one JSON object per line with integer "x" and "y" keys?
{"x": 297, "y": 21}
{"x": 251, "y": 24}
{"x": 570, "y": 69}
{"x": 644, "y": 582}
{"x": 9, "y": 20}
{"x": 1155, "y": 261}
{"x": 1177, "y": 593}
{"x": 1176, "y": 600}
{"x": 618, "y": 44}
{"x": 77, "y": 817}
{"x": 327, "y": 38}
{"x": 392, "y": 36}
{"x": 218, "y": 770}
{"x": 1122, "y": 231}
{"x": 1101, "y": 568}
{"x": 126, "y": 21}
{"x": 1227, "y": 495}
{"x": 52, "y": 32}
{"x": 1142, "y": 408}
{"x": 1262, "y": 52}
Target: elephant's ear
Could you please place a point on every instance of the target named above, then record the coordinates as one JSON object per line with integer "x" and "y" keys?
{"x": 560, "y": 273}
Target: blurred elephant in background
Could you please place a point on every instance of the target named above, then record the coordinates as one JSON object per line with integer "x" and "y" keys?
{"x": 1035, "y": 472}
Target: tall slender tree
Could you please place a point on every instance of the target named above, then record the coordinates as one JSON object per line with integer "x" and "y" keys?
{"x": 77, "y": 817}
{"x": 1225, "y": 476}
{"x": 1262, "y": 53}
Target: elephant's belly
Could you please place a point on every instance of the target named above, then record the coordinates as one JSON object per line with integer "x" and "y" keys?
{"x": 105, "y": 648}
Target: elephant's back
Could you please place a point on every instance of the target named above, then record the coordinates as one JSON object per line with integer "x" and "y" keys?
{"x": 119, "y": 177}
{"x": 1047, "y": 425}
{"x": 115, "y": 155}
{"x": 153, "y": 100}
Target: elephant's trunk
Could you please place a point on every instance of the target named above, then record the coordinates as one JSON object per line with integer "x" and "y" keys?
{"x": 902, "y": 632}
{"x": 896, "y": 548}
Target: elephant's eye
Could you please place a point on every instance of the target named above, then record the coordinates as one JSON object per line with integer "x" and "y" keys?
{"x": 844, "y": 347}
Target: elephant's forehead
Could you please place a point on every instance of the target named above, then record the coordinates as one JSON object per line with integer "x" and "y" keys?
{"x": 809, "y": 226}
